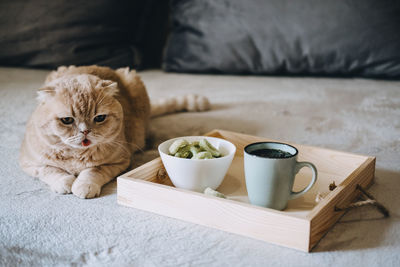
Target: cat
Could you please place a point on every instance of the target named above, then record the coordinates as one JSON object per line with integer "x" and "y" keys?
{"x": 88, "y": 123}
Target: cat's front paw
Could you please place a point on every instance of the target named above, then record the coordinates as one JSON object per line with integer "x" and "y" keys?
{"x": 84, "y": 189}
{"x": 63, "y": 185}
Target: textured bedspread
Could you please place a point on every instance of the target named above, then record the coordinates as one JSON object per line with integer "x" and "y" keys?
{"x": 38, "y": 227}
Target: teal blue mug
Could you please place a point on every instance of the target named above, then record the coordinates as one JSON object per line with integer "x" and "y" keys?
{"x": 270, "y": 169}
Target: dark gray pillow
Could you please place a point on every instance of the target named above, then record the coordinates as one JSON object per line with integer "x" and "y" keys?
{"x": 330, "y": 37}
{"x": 42, "y": 33}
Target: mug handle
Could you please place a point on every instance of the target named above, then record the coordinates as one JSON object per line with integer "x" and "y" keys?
{"x": 300, "y": 165}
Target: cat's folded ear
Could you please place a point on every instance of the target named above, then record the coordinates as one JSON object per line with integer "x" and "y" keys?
{"x": 45, "y": 92}
{"x": 108, "y": 87}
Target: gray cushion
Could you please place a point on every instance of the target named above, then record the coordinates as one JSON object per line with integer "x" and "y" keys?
{"x": 41, "y": 33}
{"x": 346, "y": 38}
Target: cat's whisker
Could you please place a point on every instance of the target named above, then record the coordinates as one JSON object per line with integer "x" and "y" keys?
{"x": 73, "y": 138}
{"x": 119, "y": 145}
{"x": 130, "y": 143}
{"x": 97, "y": 135}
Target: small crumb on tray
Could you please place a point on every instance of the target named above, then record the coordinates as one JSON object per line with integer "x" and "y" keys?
{"x": 211, "y": 192}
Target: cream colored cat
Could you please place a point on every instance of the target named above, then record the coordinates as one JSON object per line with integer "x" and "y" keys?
{"x": 88, "y": 123}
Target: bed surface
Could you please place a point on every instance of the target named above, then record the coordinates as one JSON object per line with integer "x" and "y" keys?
{"x": 38, "y": 227}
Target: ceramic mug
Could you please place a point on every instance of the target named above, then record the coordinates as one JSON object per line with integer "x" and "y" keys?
{"x": 270, "y": 170}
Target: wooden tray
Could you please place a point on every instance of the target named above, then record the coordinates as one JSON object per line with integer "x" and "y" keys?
{"x": 300, "y": 226}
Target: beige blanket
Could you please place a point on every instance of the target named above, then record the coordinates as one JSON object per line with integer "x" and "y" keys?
{"x": 38, "y": 227}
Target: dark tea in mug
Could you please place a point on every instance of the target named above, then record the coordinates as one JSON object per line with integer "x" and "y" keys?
{"x": 271, "y": 153}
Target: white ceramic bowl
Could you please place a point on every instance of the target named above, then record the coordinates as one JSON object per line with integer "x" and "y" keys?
{"x": 198, "y": 174}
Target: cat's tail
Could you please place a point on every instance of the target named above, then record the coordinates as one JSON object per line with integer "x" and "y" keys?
{"x": 190, "y": 102}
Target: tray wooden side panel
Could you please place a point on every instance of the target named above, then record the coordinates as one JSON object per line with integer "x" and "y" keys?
{"x": 222, "y": 214}
{"x": 324, "y": 216}
{"x": 148, "y": 171}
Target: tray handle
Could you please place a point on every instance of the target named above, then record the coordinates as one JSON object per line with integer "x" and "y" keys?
{"x": 368, "y": 199}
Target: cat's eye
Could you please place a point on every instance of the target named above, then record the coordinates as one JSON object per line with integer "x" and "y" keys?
{"x": 100, "y": 118}
{"x": 67, "y": 120}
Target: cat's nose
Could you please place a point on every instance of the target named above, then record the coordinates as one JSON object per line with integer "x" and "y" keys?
{"x": 85, "y": 132}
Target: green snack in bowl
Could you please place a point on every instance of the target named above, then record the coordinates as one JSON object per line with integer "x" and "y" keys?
{"x": 210, "y": 192}
{"x": 203, "y": 155}
{"x": 176, "y": 145}
{"x": 196, "y": 144}
{"x": 204, "y": 144}
{"x": 196, "y": 150}
{"x": 184, "y": 152}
